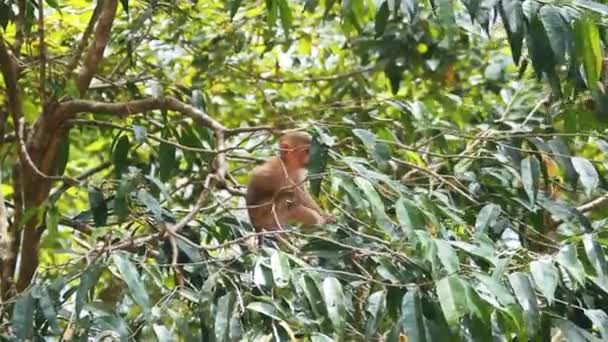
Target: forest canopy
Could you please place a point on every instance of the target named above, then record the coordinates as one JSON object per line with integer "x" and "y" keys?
{"x": 460, "y": 145}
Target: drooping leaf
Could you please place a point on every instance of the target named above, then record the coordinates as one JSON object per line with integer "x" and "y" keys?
{"x": 512, "y": 16}
{"x": 568, "y": 258}
{"x": 530, "y": 173}
{"x": 225, "y": 311}
{"x": 374, "y": 199}
{"x": 487, "y": 217}
{"x": 133, "y": 280}
{"x": 63, "y": 156}
{"x": 376, "y": 306}
{"x": 587, "y": 43}
{"x": 453, "y": 302}
{"x": 558, "y": 32}
{"x": 600, "y": 320}
{"x": 265, "y": 308}
{"x": 166, "y": 156}
{"x": 281, "y": 271}
{"x": 151, "y": 203}
{"x": 88, "y": 279}
{"x": 41, "y": 294}
{"x": 595, "y": 254}
{"x": 412, "y": 316}
{"x": 546, "y": 278}
{"x": 234, "y": 7}
{"x": 335, "y": 303}
{"x": 23, "y": 316}
{"x": 448, "y": 256}
{"x": 527, "y": 299}
{"x": 409, "y": 217}
{"x": 286, "y": 16}
{"x": 382, "y": 18}
{"x": 313, "y": 295}
{"x": 318, "y": 161}
{"x": 120, "y": 155}
{"x": 99, "y": 207}
{"x": 587, "y": 174}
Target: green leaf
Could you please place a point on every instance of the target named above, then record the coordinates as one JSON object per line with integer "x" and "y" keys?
{"x": 120, "y": 155}
{"x": 88, "y": 280}
{"x": 453, "y": 301}
{"x": 151, "y": 203}
{"x": 316, "y": 166}
{"x": 225, "y": 311}
{"x": 166, "y": 156}
{"x": 316, "y": 337}
{"x": 125, "y": 5}
{"x": 374, "y": 199}
{"x": 600, "y": 320}
{"x": 587, "y": 43}
{"x": 557, "y": 31}
{"x": 63, "y": 156}
{"x": 336, "y": 305}
{"x": 160, "y": 186}
{"x": 281, "y": 271}
{"x": 121, "y": 200}
{"x": 376, "y": 306}
{"x": 526, "y": 297}
{"x": 262, "y": 276}
{"x": 286, "y": 16}
{"x": 133, "y": 280}
{"x": 234, "y": 7}
{"x": 264, "y": 308}
{"x": 52, "y": 220}
{"x": 23, "y": 317}
{"x": 487, "y": 217}
{"x": 546, "y": 278}
{"x": 382, "y": 18}
{"x": 412, "y": 316}
{"x": 530, "y": 173}
{"x": 448, "y": 256}
{"x": 595, "y": 254}
{"x": 46, "y": 305}
{"x": 568, "y": 258}
{"x": 445, "y": 12}
{"x": 587, "y": 174}
{"x": 313, "y": 295}
{"x": 409, "y": 218}
{"x": 99, "y": 207}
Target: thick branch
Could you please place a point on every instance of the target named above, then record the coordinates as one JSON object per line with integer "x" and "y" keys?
{"x": 94, "y": 54}
{"x": 139, "y": 106}
{"x": 8, "y": 67}
{"x": 42, "y": 51}
{"x": 84, "y": 40}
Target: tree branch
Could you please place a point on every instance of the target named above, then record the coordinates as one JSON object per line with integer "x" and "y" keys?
{"x": 84, "y": 40}
{"x": 19, "y": 26}
{"x": 123, "y": 109}
{"x": 591, "y": 205}
{"x": 94, "y": 54}
{"x": 42, "y": 48}
{"x": 8, "y": 68}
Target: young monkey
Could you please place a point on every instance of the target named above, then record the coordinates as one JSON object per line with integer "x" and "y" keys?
{"x": 276, "y": 195}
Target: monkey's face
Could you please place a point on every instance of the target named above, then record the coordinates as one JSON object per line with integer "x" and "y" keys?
{"x": 300, "y": 155}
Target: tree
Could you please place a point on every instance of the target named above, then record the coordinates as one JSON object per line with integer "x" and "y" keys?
{"x": 470, "y": 197}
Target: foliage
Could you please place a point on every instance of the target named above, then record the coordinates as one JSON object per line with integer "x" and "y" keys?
{"x": 470, "y": 193}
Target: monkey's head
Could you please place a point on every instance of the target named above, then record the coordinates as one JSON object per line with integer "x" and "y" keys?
{"x": 295, "y": 148}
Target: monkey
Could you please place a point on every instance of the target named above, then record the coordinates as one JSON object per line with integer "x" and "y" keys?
{"x": 275, "y": 193}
